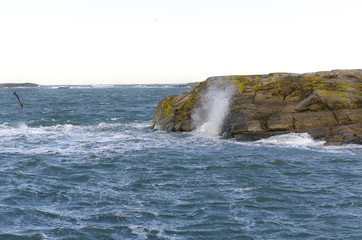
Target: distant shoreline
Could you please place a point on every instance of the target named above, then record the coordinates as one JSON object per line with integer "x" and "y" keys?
{"x": 193, "y": 84}
{"x": 66, "y": 86}
{"x": 18, "y": 85}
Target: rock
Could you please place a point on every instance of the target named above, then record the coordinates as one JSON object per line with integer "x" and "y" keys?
{"x": 349, "y": 116}
{"x": 15, "y": 85}
{"x": 247, "y": 126}
{"x": 282, "y": 122}
{"x": 314, "y": 119}
{"x": 333, "y": 143}
{"x": 327, "y": 105}
{"x": 312, "y": 102}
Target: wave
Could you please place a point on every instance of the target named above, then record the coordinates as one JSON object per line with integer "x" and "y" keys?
{"x": 118, "y": 138}
{"x": 98, "y": 86}
{"x": 151, "y": 86}
{"x": 67, "y": 139}
{"x": 301, "y": 141}
{"x": 305, "y": 141}
{"x": 292, "y": 139}
{"x": 66, "y": 86}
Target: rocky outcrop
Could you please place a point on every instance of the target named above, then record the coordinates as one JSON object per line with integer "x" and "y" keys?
{"x": 14, "y": 85}
{"x": 327, "y": 105}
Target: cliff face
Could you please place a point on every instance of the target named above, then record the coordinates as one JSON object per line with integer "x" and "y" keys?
{"x": 327, "y": 105}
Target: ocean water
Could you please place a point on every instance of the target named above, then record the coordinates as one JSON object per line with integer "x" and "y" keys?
{"x": 83, "y": 163}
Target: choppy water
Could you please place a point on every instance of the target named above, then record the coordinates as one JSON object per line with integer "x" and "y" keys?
{"x": 83, "y": 163}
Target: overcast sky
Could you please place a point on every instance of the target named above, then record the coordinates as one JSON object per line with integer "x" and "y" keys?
{"x": 168, "y": 41}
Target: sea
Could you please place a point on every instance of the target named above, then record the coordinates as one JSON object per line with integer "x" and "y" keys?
{"x": 82, "y": 162}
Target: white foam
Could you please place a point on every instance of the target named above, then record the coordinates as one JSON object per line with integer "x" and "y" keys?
{"x": 140, "y": 231}
{"x": 300, "y": 141}
{"x": 103, "y": 139}
{"x": 242, "y": 190}
{"x": 292, "y": 139}
{"x": 353, "y": 149}
{"x": 153, "y": 86}
{"x": 66, "y": 87}
{"x": 305, "y": 141}
{"x": 68, "y": 139}
{"x": 102, "y": 85}
{"x": 106, "y": 86}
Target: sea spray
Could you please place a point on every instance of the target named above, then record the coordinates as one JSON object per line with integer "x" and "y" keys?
{"x": 209, "y": 116}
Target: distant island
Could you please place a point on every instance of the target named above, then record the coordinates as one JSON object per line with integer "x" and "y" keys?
{"x": 16, "y": 85}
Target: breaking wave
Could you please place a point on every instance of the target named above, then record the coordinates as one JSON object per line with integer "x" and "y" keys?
{"x": 69, "y": 139}
{"x": 292, "y": 139}
{"x": 109, "y": 86}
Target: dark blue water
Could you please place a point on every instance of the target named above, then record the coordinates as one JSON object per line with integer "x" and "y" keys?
{"x": 83, "y": 163}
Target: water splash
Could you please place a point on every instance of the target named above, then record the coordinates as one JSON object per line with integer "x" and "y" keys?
{"x": 209, "y": 116}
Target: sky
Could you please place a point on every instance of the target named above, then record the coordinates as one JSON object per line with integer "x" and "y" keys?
{"x": 59, "y": 42}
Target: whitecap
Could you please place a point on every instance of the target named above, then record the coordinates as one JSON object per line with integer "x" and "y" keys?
{"x": 292, "y": 139}
{"x": 353, "y": 149}
{"x": 102, "y": 85}
{"x": 153, "y": 86}
{"x": 66, "y": 139}
{"x": 241, "y": 190}
{"x": 142, "y": 232}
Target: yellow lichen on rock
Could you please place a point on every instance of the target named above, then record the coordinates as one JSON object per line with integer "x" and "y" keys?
{"x": 167, "y": 106}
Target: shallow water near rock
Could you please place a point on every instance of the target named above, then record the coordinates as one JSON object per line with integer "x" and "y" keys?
{"x": 83, "y": 163}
